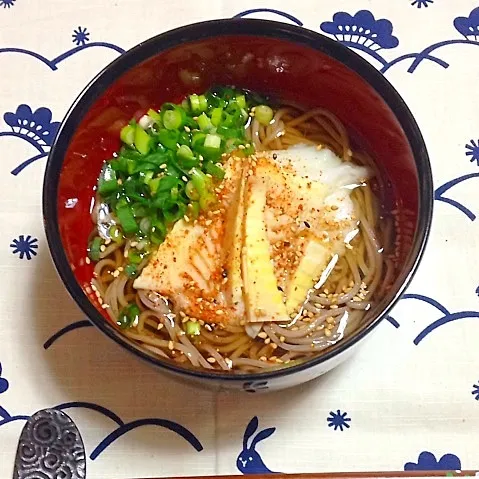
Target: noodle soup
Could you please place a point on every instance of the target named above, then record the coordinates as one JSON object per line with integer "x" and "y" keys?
{"x": 230, "y": 233}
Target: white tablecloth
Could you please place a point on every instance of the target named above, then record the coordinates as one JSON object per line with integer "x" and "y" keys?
{"x": 409, "y": 398}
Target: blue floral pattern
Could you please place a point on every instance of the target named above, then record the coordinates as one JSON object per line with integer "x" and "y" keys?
{"x": 3, "y": 382}
{"x": 475, "y": 391}
{"x": 469, "y": 26}
{"x": 7, "y": 3}
{"x": 472, "y": 151}
{"x": 36, "y": 127}
{"x": 421, "y": 3}
{"x": 80, "y": 36}
{"x": 25, "y": 247}
{"x": 339, "y": 420}
{"x": 361, "y": 29}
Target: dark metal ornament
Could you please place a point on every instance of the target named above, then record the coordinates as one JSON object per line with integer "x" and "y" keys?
{"x": 50, "y": 447}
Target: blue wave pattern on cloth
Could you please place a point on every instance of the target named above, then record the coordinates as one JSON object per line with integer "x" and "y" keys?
{"x": 371, "y": 41}
{"x": 121, "y": 429}
{"x": 36, "y": 127}
{"x": 447, "y": 316}
{"x": 24, "y": 247}
{"x": 427, "y": 462}
{"x": 249, "y": 460}
{"x": 281, "y": 15}
{"x": 79, "y": 36}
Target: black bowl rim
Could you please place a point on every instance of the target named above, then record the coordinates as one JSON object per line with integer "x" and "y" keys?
{"x": 192, "y": 33}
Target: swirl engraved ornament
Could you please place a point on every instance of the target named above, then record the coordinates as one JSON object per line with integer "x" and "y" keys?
{"x": 50, "y": 447}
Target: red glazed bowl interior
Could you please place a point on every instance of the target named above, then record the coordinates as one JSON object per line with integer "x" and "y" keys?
{"x": 285, "y": 62}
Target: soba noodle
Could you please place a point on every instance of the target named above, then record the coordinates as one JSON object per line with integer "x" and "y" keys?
{"x": 332, "y": 311}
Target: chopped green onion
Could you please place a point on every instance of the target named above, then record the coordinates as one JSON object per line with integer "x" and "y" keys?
{"x": 157, "y": 237}
{"x": 203, "y": 102}
{"x": 168, "y": 163}
{"x": 153, "y": 185}
{"x": 193, "y": 210}
{"x": 154, "y": 115}
{"x": 241, "y": 101}
{"x": 166, "y": 183}
{"x": 128, "y": 316}
{"x": 195, "y": 103}
{"x": 107, "y": 187}
{"x": 134, "y": 256}
{"x": 212, "y": 141}
{"x": 216, "y": 116}
{"x": 191, "y": 191}
{"x": 215, "y": 170}
{"x": 142, "y": 140}
{"x": 169, "y": 138}
{"x": 184, "y": 153}
{"x": 172, "y": 119}
{"x": 115, "y": 234}
{"x": 95, "y": 248}
{"x": 199, "y": 180}
{"x": 127, "y": 134}
{"x": 131, "y": 270}
{"x": 207, "y": 201}
{"x": 145, "y": 225}
{"x": 148, "y": 176}
{"x": 204, "y": 122}
{"x": 126, "y": 219}
{"x": 174, "y": 193}
{"x": 192, "y": 328}
{"x": 264, "y": 114}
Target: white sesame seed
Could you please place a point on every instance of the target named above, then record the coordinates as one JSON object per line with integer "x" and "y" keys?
{"x": 171, "y": 345}
{"x": 211, "y": 360}
{"x": 262, "y": 335}
{"x": 184, "y": 178}
{"x": 87, "y": 260}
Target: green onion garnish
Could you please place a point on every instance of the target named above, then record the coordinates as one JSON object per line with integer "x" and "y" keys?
{"x": 94, "y": 248}
{"x": 264, "y": 114}
{"x": 169, "y": 165}
{"x": 128, "y": 316}
{"x": 192, "y": 328}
